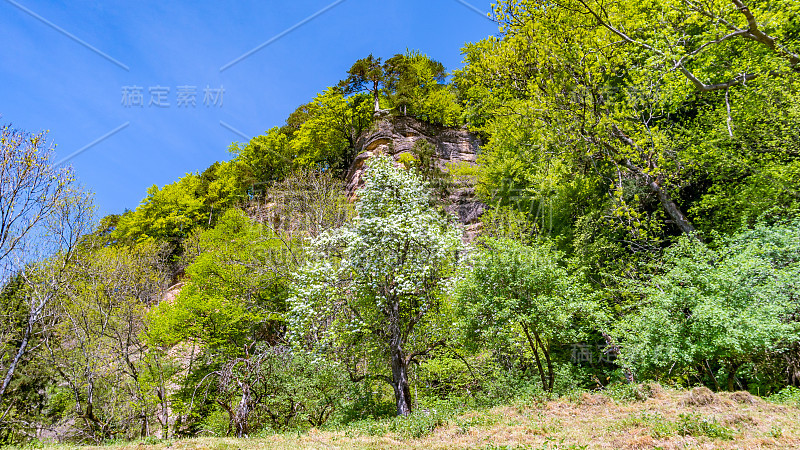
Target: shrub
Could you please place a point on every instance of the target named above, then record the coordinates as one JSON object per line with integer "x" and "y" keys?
{"x": 724, "y": 308}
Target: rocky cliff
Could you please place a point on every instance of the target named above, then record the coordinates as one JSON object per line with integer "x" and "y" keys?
{"x": 395, "y": 136}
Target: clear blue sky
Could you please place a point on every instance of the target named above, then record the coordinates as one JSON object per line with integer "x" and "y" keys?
{"x": 71, "y": 80}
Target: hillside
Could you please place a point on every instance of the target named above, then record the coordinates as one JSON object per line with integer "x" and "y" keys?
{"x": 603, "y": 197}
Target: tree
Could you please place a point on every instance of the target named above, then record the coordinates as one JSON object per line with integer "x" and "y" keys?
{"x": 376, "y": 285}
{"x": 513, "y": 287}
{"x": 366, "y": 74}
{"x": 234, "y": 297}
{"x": 43, "y": 216}
{"x": 266, "y": 158}
{"x": 236, "y": 291}
{"x": 327, "y": 138}
{"x": 400, "y": 81}
{"x": 416, "y": 85}
{"x": 303, "y": 205}
{"x": 169, "y": 213}
{"x": 618, "y": 87}
{"x": 278, "y": 387}
{"x": 95, "y": 348}
{"x": 692, "y": 38}
{"x": 31, "y": 190}
{"x": 713, "y": 311}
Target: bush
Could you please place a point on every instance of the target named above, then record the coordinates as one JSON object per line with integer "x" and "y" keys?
{"x": 789, "y": 395}
{"x": 522, "y": 297}
{"x": 718, "y": 311}
{"x": 686, "y": 425}
{"x": 696, "y": 425}
{"x": 423, "y": 421}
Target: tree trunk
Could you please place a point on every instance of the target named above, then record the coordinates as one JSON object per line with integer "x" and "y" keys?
{"x": 536, "y": 356}
{"x": 20, "y": 353}
{"x": 242, "y": 411}
{"x": 672, "y": 209}
{"x": 732, "y": 368}
{"x": 145, "y": 431}
{"x": 402, "y": 393}
{"x": 551, "y": 377}
{"x": 376, "y": 95}
{"x": 33, "y": 317}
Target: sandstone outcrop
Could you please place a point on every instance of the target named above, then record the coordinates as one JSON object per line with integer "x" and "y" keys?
{"x": 395, "y": 136}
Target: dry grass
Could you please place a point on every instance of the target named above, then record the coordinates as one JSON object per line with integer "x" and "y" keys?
{"x": 735, "y": 420}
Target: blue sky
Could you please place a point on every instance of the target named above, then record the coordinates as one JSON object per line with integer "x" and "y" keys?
{"x": 49, "y": 81}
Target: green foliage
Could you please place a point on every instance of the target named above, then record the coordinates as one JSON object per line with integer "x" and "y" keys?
{"x": 327, "y": 137}
{"x": 622, "y": 100}
{"x": 789, "y": 395}
{"x": 448, "y": 376}
{"x": 514, "y": 292}
{"x": 30, "y": 381}
{"x": 440, "y": 106}
{"x": 234, "y": 296}
{"x": 424, "y": 159}
{"x": 687, "y": 425}
{"x": 94, "y": 351}
{"x": 751, "y": 175}
{"x": 366, "y": 74}
{"x": 169, "y": 213}
{"x": 463, "y": 172}
{"x": 266, "y": 158}
{"x": 388, "y": 266}
{"x": 416, "y": 86}
{"x": 277, "y": 389}
{"x": 631, "y": 392}
{"x": 236, "y": 288}
{"x": 506, "y": 222}
{"x": 697, "y": 425}
{"x": 414, "y": 426}
{"x": 730, "y": 305}
{"x": 623, "y": 145}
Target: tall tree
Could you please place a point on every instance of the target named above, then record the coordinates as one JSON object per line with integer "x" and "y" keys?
{"x": 96, "y": 350}
{"x": 376, "y": 285}
{"x": 327, "y": 138}
{"x": 366, "y": 74}
{"x": 514, "y": 287}
{"x": 43, "y": 215}
{"x": 616, "y": 87}
{"x": 415, "y": 84}
{"x": 718, "y": 313}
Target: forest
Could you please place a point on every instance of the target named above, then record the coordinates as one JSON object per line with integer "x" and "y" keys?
{"x": 639, "y": 164}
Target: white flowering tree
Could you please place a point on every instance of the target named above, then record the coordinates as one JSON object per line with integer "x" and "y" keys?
{"x": 376, "y": 285}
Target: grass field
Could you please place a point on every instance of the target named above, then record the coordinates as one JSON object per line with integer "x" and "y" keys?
{"x": 644, "y": 418}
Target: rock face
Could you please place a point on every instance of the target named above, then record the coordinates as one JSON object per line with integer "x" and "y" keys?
{"x": 395, "y": 136}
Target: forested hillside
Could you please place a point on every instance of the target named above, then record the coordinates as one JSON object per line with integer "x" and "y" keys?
{"x": 606, "y": 194}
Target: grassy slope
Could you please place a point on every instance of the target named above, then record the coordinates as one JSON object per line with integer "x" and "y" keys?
{"x": 665, "y": 419}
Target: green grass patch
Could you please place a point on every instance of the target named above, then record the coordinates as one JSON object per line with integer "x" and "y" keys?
{"x": 687, "y": 425}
